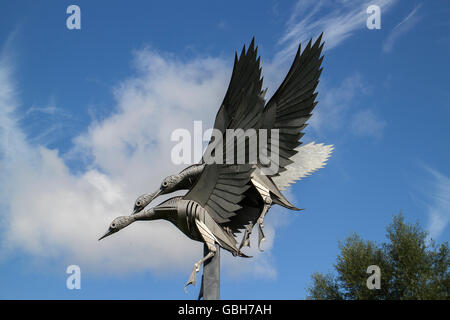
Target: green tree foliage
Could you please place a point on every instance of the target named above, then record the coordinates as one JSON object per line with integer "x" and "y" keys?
{"x": 412, "y": 267}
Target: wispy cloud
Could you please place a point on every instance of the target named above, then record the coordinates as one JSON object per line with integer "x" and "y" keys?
{"x": 50, "y": 109}
{"x": 338, "y": 105}
{"x": 222, "y": 25}
{"x": 45, "y": 124}
{"x": 402, "y": 28}
{"x": 338, "y": 20}
{"x": 438, "y": 203}
{"x": 367, "y": 123}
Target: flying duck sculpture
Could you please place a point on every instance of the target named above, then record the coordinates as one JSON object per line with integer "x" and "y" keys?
{"x": 286, "y": 111}
{"x": 225, "y": 198}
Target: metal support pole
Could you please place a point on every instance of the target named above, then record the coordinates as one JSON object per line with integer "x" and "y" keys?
{"x": 210, "y": 289}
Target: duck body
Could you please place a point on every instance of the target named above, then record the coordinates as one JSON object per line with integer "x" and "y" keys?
{"x": 195, "y": 222}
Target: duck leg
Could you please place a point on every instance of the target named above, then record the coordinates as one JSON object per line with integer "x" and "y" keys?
{"x": 261, "y": 236}
{"x": 246, "y": 238}
{"x": 265, "y": 195}
{"x": 192, "y": 277}
{"x": 210, "y": 241}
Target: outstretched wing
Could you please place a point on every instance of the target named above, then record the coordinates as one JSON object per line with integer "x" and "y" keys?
{"x": 245, "y": 82}
{"x": 308, "y": 159}
{"x": 291, "y": 105}
{"x": 220, "y": 188}
{"x": 244, "y": 101}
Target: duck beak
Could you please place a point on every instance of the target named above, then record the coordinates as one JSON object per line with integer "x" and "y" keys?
{"x": 108, "y": 233}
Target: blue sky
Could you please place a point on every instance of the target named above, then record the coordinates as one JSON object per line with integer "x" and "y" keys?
{"x": 85, "y": 115}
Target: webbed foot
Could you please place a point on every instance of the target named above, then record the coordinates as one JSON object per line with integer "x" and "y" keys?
{"x": 261, "y": 236}
{"x": 246, "y": 238}
{"x": 192, "y": 277}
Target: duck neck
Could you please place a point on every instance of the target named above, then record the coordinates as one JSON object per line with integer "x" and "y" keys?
{"x": 156, "y": 213}
{"x": 149, "y": 197}
{"x": 149, "y": 214}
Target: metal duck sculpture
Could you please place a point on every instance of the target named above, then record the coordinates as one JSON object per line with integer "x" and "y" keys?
{"x": 289, "y": 117}
{"x": 224, "y": 199}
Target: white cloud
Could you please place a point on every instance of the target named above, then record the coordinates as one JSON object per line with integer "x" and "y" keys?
{"x": 47, "y": 211}
{"x": 403, "y": 27}
{"x": 439, "y": 203}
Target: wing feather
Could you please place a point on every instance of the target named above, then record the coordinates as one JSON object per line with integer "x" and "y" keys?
{"x": 291, "y": 105}
{"x": 218, "y": 195}
{"x": 308, "y": 159}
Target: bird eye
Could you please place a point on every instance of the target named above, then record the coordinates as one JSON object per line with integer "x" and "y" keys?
{"x": 164, "y": 183}
{"x": 138, "y": 203}
{"x": 113, "y": 225}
